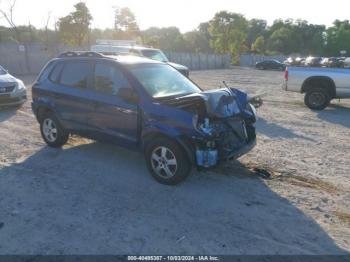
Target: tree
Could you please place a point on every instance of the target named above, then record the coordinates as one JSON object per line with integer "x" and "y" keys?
{"x": 167, "y": 38}
{"x": 310, "y": 37}
{"x": 8, "y": 14}
{"x": 125, "y": 23}
{"x": 256, "y": 28}
{"x": 198, "y": 40}
{"x": 281, "y": 41}
{"x": 338, "y": 38}
{"x": 74, "y": 28}
{"x": 229, "y": 33}
{"x": 259, "y": 45}
{"x": 289, "y": 36}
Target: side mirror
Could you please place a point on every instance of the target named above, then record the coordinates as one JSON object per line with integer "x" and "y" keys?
{"x": 128, "y": 94}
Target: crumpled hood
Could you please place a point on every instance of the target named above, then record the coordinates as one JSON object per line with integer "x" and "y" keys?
{"x": 219, "y": 103}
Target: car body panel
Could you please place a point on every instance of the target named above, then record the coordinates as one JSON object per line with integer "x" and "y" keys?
{"x": 129, "y": 124}
{"x": 12, "y": 90}
{"x": 298, "y": 75}
{"x": 270, "y": 64}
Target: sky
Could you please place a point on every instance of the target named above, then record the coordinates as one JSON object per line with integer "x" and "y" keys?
{"x": 184, "y": 14}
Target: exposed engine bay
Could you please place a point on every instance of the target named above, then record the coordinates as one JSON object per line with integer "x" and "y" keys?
{"x": 225, "y": 119}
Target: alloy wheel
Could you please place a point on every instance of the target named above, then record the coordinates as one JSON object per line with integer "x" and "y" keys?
{"x": 164, "y": 162}
{"x": 50, "y": 130}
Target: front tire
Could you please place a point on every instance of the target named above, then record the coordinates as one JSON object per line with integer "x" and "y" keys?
{"x": 317, "y": 98}
{"x": 51, "y": 130}
{"x": 167, "y": 161}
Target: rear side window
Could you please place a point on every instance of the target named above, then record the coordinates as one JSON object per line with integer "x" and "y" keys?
{"x": 108, "y": 79}
{"x": 55, "y": 74}
{"x": 76, "y": 74}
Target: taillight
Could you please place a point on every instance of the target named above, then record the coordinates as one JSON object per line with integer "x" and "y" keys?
{"x": 286, "y": 74}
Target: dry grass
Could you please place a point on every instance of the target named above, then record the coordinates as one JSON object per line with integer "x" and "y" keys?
{"x": 343, "y": 217}
{"x": 312, "y": 183}
{"x": 248, "y": 170}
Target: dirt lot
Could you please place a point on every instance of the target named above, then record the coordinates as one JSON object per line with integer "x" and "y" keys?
{"x": 92, "y": 198}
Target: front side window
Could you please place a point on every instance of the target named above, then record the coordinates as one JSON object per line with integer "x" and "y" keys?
{"x": 76, "y": 74}
{"x": 108, "y": 79}
{"x": 162, "y": 80}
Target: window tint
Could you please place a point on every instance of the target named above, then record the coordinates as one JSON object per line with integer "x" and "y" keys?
{"x": 108, "y": 79}
{"x": 162, "y": 80}
{"x": 56, "y": 72}
{"x": 76, "y": 74}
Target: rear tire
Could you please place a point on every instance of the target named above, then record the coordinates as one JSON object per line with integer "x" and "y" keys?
{"x": 317, "y": 98}
{"x": 52, "y": 131}
{"x": 167, "y": 161}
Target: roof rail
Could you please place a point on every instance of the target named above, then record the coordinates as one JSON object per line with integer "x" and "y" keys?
{"x": 80, "y": 54}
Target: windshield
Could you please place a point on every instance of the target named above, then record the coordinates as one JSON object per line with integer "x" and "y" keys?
{"x": 161, "y": 80}
{"x": 155, "y": 55}
{"x": 2, "y": 71}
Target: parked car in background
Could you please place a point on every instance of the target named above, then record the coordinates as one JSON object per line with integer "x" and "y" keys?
{"x": 320, "y": 85}
{"x": 347, "y": 62}
{"x": 300, "y": 61}
{"x": 270, "y": 65}
{"x": 157, "y": 54}
{"x": 313, "y": 61}
{"x": 12, "y": 90}
{"x": 145, "y": 105}
{"x": 290, "y": 61}
{"x": 152, "y": 53}
{"x": 336, "y": 62}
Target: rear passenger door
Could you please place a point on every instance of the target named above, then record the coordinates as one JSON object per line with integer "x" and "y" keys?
{"x": 71, "y": 94}
{"x": 113, "y": 117}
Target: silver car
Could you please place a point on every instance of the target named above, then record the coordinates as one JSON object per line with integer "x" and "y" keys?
{"x": 12, "y": 90}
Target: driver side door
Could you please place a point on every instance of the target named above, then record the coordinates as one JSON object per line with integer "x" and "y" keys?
{"x": 114, "y": 118}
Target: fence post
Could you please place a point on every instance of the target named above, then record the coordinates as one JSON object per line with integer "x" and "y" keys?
{"x": 199, "y": 61}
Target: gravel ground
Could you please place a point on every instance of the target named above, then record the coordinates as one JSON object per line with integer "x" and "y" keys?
{"x": 93, "y": 198}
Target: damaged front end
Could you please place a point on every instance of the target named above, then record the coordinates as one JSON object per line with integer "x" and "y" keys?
{"x": 224, "y": 121}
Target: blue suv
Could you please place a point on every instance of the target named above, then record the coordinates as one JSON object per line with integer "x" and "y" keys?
{"x": 145, "y": 105}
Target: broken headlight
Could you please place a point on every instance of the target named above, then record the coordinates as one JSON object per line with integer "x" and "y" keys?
{"x": 203, "y": 127}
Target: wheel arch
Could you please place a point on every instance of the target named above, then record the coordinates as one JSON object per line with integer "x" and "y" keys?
{"x": 42, "y": 110}
{"x": 319, "y": 82}
{"x": 181, "y": 141}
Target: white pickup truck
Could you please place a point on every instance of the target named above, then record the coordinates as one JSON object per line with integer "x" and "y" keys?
{"x": 320, "y": 85}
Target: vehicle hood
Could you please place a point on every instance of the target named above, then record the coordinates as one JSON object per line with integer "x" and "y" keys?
{"x": 7, "y": 78}
{"x": 219, "y": 103}
{"x": 178, "y": 66}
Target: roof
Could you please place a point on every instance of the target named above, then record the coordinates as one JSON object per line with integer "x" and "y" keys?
{"x": 122, "y": 59}
{"x": 130, "y": 59}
